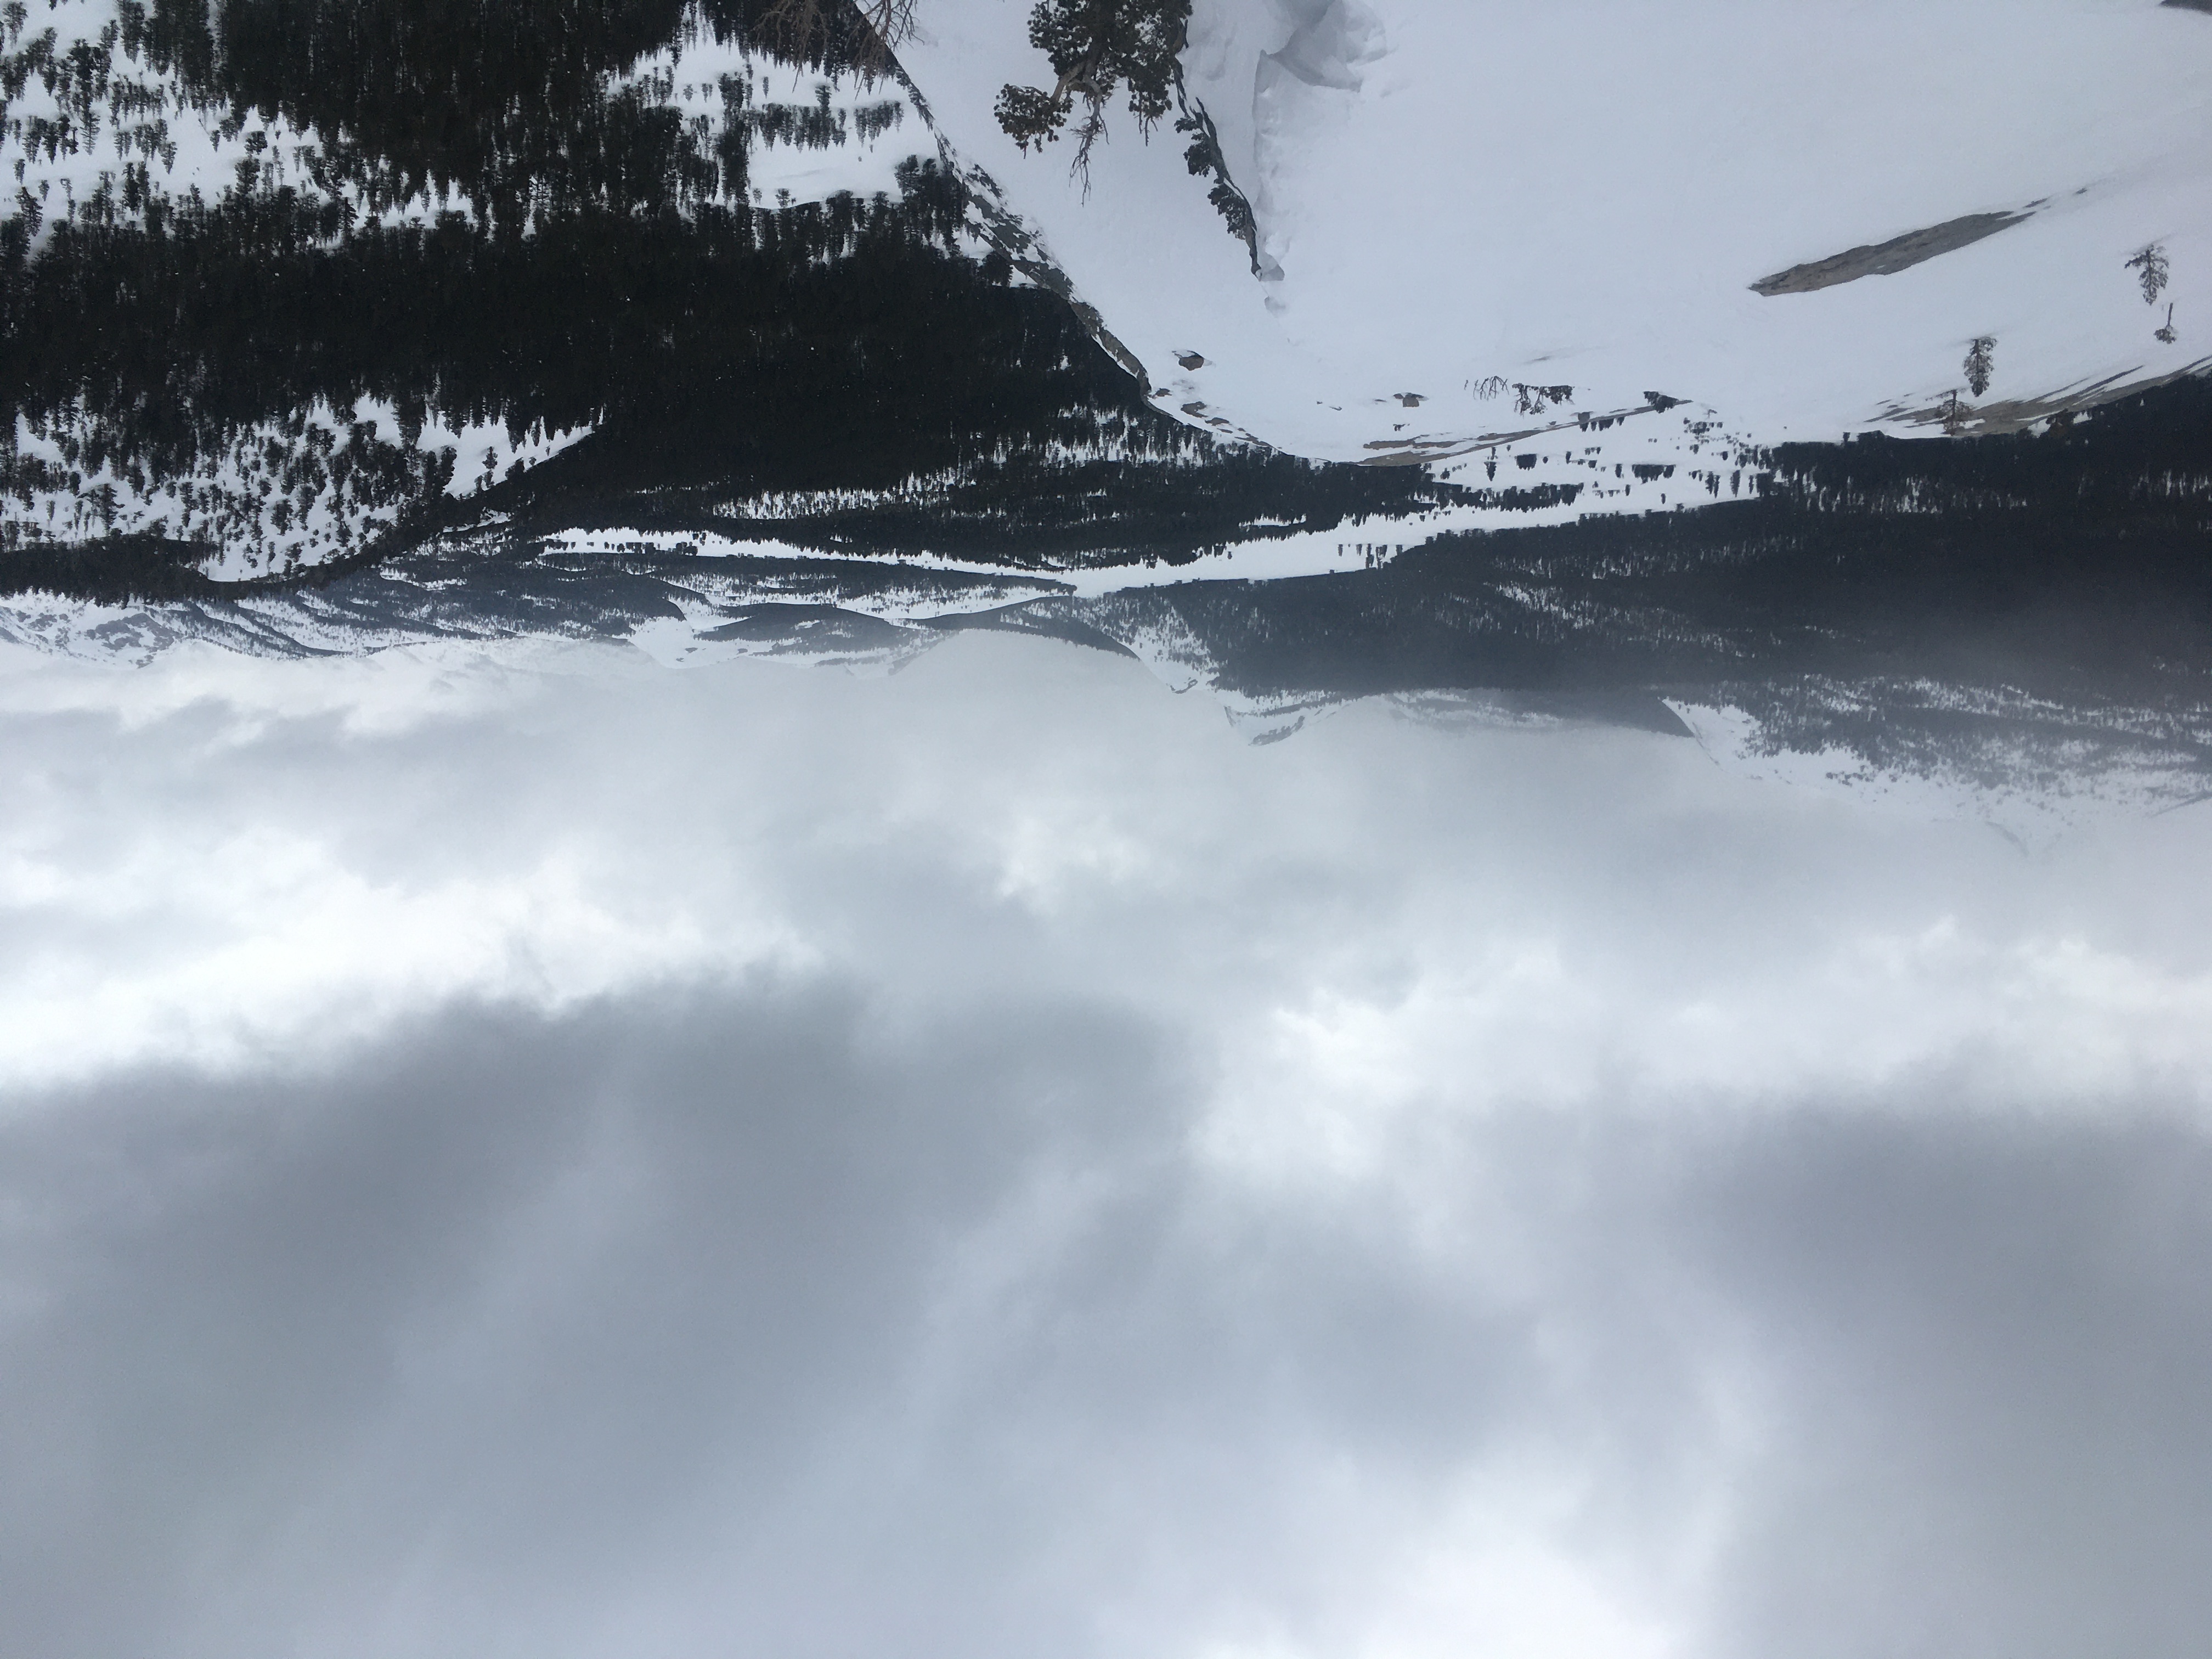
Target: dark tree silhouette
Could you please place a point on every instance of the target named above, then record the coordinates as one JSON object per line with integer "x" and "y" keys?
{"x": 2151, "y": 269}
{"x": 1096, "y": 47}
{"x": 1981, "y": 363}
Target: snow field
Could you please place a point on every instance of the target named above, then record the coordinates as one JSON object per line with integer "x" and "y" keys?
{"x": 1458, "y": 193}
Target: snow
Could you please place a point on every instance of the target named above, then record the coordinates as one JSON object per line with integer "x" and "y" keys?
{"x": 1452, "y": 193}
{"x": 192, "y": 147}
{"x": 187, "y": 149}
{"x": 61, "y": 162}
{"x": 687, "y": 75}
{"x": 484, "y": 451}
{"x": 236, "y": 498}
{"x": 1261, "y": 558}
{"x": 1461, "y": 204}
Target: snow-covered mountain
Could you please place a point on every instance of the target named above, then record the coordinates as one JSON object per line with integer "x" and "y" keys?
{"x": 1591, "y": 257}
{"x": 631, "y": 329}
{"x": 1488, "y": 227}
{"x": 124, "y": 128}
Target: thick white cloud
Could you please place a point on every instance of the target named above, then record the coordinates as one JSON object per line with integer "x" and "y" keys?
{"x": 216, "y": 858}
{"x": 533, "y": 1153}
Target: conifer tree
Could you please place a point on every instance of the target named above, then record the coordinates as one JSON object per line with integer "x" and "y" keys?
{"x": 1095, "y": 47}
{"x": 2150, "y": 264}
{"x": 1980, "y": 363}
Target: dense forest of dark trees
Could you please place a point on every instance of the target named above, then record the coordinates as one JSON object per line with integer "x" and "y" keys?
{"x": 600, "y": 265}
{"x": 500, "y": 103}
{"x": 2145, "y": 456}
{"x": 236, "y": 311}
{"x": 2076, "y": 562}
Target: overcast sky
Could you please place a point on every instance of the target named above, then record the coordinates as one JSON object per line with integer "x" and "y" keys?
{"x": 529, "y": 1153}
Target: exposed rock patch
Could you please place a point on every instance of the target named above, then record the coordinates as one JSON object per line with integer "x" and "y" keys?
{"x": 1887, "y": 259}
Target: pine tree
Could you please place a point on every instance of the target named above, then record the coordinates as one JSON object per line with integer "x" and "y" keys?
{"x": 1980, "y": 361}
{"x": 1095, "y": 46}
{"x": 2150, "y": 263}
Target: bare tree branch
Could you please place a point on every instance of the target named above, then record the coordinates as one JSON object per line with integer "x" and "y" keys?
{"x": 810, "y": 30}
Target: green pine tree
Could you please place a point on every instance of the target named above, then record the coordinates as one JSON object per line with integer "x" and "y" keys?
{"x": 1096, "y": 47}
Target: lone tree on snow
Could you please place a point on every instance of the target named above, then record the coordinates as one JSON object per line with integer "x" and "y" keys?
{"x": 2150, "y": 263}
{"x": 1980, "y": 360}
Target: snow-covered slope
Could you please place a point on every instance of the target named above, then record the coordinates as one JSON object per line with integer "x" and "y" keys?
{"x": 99, "y": 130}
{"x": 96, "y": 128}
{"x": 1798, "y": 219}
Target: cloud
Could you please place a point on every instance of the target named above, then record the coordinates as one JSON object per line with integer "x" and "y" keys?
{"x": 269, "y": 858}
{"x": 982, "y": 1162}
{"x": 737, "y": 1322}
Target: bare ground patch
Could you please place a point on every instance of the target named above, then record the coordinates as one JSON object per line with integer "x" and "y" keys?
{"x": 1887, "y": 259}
